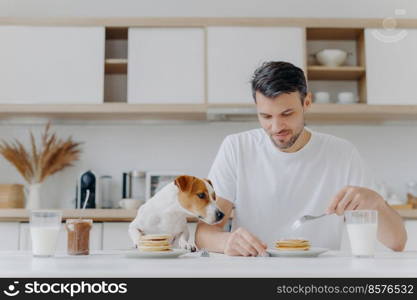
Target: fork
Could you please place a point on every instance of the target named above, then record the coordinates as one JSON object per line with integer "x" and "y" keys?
{"x": 204, "y": 253}
{"x": 304, "y": 219}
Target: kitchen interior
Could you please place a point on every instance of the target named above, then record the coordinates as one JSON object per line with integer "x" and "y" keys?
{"x": 148, "y": 91}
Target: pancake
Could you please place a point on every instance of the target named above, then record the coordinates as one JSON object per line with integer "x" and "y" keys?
{"x": 154, "y": 249}
{"x": 155, "y": 237}
{"x": 155, "y": 243}
{"x": 293, "y": 245}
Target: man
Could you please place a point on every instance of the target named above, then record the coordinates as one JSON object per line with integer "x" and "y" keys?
{"x": 274, "y": 175}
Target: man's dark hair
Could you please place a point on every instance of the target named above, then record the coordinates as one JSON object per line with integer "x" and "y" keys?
{"x": 274, "y": 78}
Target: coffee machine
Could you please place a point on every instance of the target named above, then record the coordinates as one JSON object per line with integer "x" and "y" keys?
{"x": 87, "y": 181}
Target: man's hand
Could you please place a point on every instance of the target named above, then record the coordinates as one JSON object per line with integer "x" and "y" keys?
{"x": 354, "y": 198}
{"x": 242, "y": 242}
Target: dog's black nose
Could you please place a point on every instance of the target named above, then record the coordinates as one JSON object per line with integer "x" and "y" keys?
{"x": 219, "y": 215}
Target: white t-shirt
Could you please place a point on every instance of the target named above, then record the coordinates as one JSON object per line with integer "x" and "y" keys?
{"x": 270, "y": 189}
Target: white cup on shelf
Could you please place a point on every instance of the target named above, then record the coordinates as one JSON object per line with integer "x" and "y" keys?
{"x": 321, "y": 97}
{"x": 346, "y": 98}
{"x": 128, "y": 203}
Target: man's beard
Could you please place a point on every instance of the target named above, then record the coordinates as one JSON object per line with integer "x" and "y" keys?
{"x": 288, "y": 144}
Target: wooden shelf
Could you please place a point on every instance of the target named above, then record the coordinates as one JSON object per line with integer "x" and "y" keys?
{"x": 106, "y": 111}
{"x": 330, "y": 113}
{"x": 96, "y": 214}
{"x": 116, "y": 66}
{"x": 118, "y": 22}
{"x": 335, "y": 73}
{"x": 318, "y": 113}
{"x": 333, "y": 33}
{"x": 117, "y": 33}
{"x": 360, "y": 113}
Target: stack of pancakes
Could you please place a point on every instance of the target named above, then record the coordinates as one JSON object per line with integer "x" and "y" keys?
{"x": 293, "y": 245}
{"x": 155, "y": 243}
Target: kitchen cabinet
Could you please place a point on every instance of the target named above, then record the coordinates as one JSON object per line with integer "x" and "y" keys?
{"x": 25, "y": 242}
{"x": 9, "y": 237}
{"x": 50, "y": 64}
{"x": 391, "y": 64}
{"x": 166, "y": 65}
{"x": 233, "y": 53}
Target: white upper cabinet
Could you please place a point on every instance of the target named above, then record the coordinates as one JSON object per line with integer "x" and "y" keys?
{"x": 166, "y": 65}
{"x": 391, "y": 66}
{"x": 235, "y": 52}
{"x": 53, "y": 65}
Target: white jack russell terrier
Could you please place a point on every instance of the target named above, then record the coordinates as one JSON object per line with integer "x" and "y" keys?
{"x": 167, "y": 211}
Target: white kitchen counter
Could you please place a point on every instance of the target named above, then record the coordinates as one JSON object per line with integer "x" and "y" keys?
{"x": 114, "y": 264}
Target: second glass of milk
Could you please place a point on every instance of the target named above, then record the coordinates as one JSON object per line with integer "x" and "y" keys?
{"x": 362, "y": 228}
{"x": 44, "y": 230}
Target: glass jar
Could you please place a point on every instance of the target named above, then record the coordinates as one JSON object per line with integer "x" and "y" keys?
{"x": 412, "y": 193}
{"x": 105, "y": 191}
{"x": 137, "y": 185}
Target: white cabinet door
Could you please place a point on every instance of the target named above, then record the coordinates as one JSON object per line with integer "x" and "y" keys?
{"x": 116, "y": 236}
{"x": 95, "y": 238}
{"x": 9, "y": 237}
{"x": 166, "y": 65}
{"x": 235, "y": 52}
{"x": 391, "y": 66}
{"x": 411, "y": 227}
{"x": 51, "y": 64}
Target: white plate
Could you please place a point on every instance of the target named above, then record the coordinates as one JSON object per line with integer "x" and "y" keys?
{"x": 159, "y": 254}
{"x": 312, "y": 252}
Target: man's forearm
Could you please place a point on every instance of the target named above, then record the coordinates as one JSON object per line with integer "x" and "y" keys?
{"x": 211, "y": 238}
{"x": 391, "y": 231}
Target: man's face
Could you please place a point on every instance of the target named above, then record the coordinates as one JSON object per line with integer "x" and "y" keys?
{"x": 282, "y": 117}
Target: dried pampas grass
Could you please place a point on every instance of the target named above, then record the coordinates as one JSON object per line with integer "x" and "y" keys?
{"x": 36, "y": 165}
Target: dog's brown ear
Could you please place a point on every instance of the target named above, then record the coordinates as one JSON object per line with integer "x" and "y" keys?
{"x": 209, "y": 181}
{"x": 183, "y": 182}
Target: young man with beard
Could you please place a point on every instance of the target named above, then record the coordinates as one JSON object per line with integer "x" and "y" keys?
{"x": 273, "y": 175}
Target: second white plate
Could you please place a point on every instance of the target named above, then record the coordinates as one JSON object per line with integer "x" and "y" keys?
{"x": 160, "y": 254}
{"x": 312, "y": 252}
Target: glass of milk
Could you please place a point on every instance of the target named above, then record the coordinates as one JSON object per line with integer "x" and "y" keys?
{"x": 44, "y": 230}
{"x": 362, "y": 227}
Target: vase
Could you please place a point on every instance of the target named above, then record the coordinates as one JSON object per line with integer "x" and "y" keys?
{"x": 33, "y": 200}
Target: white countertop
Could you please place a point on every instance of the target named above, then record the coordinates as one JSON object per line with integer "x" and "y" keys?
{"x": 114, "y": 264}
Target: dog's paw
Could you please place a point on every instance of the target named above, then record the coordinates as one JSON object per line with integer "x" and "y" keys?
{"x": 187, "y": 246}
{"x": 190, "y": 247}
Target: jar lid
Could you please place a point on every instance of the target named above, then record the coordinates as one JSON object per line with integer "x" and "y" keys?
{"x": 137, "y": 173}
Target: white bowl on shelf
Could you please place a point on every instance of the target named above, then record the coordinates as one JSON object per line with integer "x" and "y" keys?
{"x": 331, "y": 57}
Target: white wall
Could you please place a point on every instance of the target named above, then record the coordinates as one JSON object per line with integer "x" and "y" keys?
{"x": 111, "y": 149}
{"x": 212, "y": 8}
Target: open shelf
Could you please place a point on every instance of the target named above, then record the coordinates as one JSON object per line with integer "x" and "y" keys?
{"x": 335, "y": 73}
{"x": 348, "y": 39}
{"x": 116, "y": 66}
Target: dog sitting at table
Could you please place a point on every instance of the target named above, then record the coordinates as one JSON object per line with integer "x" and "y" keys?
{"x": 167, "y": 211}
